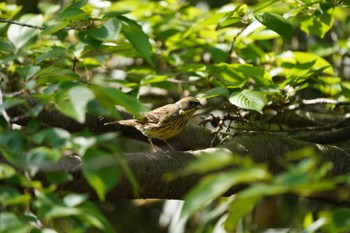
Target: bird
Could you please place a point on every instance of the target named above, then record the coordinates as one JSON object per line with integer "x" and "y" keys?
{"x": 164, "y": 122}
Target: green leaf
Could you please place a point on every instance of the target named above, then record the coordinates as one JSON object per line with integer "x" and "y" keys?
{"x": 341, "y": 219}
{"x": 11, "y": 196}
{"x": 238, "y": 210}
{"x": 153, "y": 78}
{"x": 210, "y": 159}
{"x": 249, "y": 99}
{"x": 80, "y": 97}
{"x": 101, "y": 171}
{"x": 50, "y": 206}
{"x": 86, "y": 38}
{"x": 317, "y": 24}
{"x": 19, "y": 35}
{"x": 276, "y": 23}
{"x": 41, "y": 157}
{"x": 94, "y": 216}
{"x": 261, "y": 190}
{"x": 28, "y": 71}
{"x": 107, "y": 31}
{"x": 11, "y": 102}
{"x": 213, "y": 186}
{"x": 73, "y": 12}
{"x": 304, "y": 58}
{"x": 9, "y": 222}
{"x": 58, "y": 177}
{"x": 6, "y": 46}
{"x": 73, "y": 101}
{"x": 139, "y": 40}
{"x": 109, "y": 97}
{"x": 113, "y": 14}
{"x": 12, "y": 144}
{"x": 74, "y": 199}
{"x": 219, "y": 52}
{"x": 6, "y": 171}
{"x": 54, "y": 52}
{"x": 54, "y": 137}
{"x": 217, "y": 91}
{"x": 56, "y": 75}
{"x": 259, "y": 74}
{"x": 228, "y": 74}
{"x": 234, "y": 16}
{"x": 54, "y": 28}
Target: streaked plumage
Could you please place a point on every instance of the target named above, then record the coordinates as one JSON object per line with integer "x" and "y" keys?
{"x": 165, "y": 122}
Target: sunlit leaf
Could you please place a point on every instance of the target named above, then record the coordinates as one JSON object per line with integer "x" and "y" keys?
{"x": 73, "y": 102}
{"x": 139, "y": 40}
{"x": 74, "y": 199}
{"x": 19, "y": 35}
{"x": 234, "y": 16}
{"x": 6, "y": 171}
{"x": 276, "y": 23}
{"x": 210, "y": 159}
{"x": 217, "y": 91}
{"x": 213, "y": 186}
{"x": 249, "y": 99}
{"x": 154, "y": 79}
{"x": 317, "y": 24}
{"x": 228, "y": 74}
{"x": 108, "y": 31}
{"x": 73, "y": 12}
{"x": 54, "y": 28}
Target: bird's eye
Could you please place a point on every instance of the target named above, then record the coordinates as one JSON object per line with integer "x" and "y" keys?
{"x": 193, "y": 104}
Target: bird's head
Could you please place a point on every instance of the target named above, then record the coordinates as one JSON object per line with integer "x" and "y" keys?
{"x": 189, "y": 105}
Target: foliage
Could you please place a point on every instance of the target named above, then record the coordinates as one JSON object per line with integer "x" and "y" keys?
{"x": 90, "y": 56}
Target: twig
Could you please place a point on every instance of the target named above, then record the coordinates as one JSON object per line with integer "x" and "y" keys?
{"x": 22, "y": 24}
{"x": 89, "y": 25}
{"x": 306, "y": 102}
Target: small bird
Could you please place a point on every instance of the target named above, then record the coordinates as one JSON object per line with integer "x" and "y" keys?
{"x": 164, "y": 122}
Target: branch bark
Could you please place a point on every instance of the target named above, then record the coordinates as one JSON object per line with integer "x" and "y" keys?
{"x": 151, "y": 168}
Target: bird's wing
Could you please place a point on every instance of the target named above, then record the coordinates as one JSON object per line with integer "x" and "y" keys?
{"x": 158, "y": 115}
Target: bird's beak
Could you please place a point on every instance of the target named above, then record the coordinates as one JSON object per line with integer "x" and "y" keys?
{"x": 200, "y": 106}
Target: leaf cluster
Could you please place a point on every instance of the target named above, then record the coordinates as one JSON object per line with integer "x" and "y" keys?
{"x": 100, "y": 57}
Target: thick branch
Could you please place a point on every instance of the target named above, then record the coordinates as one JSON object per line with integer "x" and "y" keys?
{"x": 151, "y": 169}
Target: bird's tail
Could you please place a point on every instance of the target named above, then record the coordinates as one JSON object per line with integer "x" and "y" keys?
{"x": 129, "y": 122}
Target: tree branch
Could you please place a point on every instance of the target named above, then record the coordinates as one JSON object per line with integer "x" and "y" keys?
{"x": 150, "y": 169}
